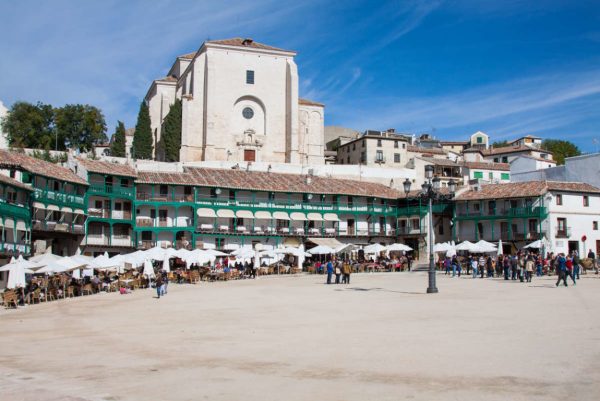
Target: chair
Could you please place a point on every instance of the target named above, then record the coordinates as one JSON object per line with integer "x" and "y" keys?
{"x": 36, "y": 296}
{"x": 87, "y": 289}
{"x": 10, "y": 298}
{"x": 70, "y": 292}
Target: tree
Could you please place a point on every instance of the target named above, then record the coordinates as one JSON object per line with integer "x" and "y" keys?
{"x": 500, "y": 144}
{"x": 560, "y": 149}
{"x": 171, "y": 133}
{"x": 142, "y": 138}
{"x": 31, "y": 126}
{"x": 81, "y": 126}
{"x": 117, "y": 147}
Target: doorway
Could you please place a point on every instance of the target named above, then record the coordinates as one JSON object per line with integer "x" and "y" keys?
{"x": 249, "y": 155}
{"x": 573, "y": 246}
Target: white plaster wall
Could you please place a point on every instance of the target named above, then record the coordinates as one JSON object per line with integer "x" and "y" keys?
{"x": 3, "y": 140}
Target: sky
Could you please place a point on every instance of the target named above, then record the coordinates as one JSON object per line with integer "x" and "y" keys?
{"x": 448, "y": 68}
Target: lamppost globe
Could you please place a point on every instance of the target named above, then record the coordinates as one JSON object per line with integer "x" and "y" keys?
{"x": 218, "y": 191}
{"x": 424, "y": 189}
{"x": 406, "y": 185}
{"x": 309, "y": 196}
{"x": 452, "y": 186}
{"x": 436, "y": 182}
{"x": 428, "y": 171}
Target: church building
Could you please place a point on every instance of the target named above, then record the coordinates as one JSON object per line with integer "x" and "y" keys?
{"x": 239, "y": 103}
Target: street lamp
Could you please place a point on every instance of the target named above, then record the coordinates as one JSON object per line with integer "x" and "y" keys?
{"x": 430, "y": 191}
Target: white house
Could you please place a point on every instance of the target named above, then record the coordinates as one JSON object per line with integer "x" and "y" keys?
{"x": 240, "y": 103}
{"x": 3, "y": 140}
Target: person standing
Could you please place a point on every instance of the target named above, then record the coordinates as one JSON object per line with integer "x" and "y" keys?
{"x": 514, "y": 264}
{"x": 569, "y": 272}
{"x": 591, "y": 255}
{"x": 159, "y": 283}
{"x": 481, "y": 266}
{"x": 576, "y": 264}
{"x": 474, "y": 265}
{"x": 561, "y": 269}
{"x": 506, "y": 266}
{"x": 409, "y": 261}
{"x": 346, "y": 269}
{"x": 165, "y": 282}
{"x": 329, "y": 271}
{"x": 529, "y": 268}
{"x": 338, "y": 271}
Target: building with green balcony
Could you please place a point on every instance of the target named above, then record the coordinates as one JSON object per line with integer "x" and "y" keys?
{"x": 58, "y": 209}
{"x": 224, "y": 208}
{"x": 15, "y": 218}
{"x": 109, "y": 200}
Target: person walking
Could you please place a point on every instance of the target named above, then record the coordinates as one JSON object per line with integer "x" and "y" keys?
{"x": 469, "y": 264}
{"x": 539, "y": 264}
{"x": 158, "y": 283}
{"x": 591, "y": 255}
{"x": 529, "y": 268}
{"x": 346, "y": 270}
{"x": 561, "y": 269}
{"x": 506, "y": 266}
{"x": 447, "y": 265}
{"x": 481, "y": 266}
{"x": 329, "y": 271}
{"x": 514, "y": 264}
{"x": 474, "y": 265}
{"x": 569, "y": 272}
{"x": 454, "y": 263}
{"x": 576, "y": 265}
{"x": 165, "y": 282}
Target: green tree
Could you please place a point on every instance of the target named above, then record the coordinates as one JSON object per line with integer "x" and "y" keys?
{"x": 500, "y": 144}
{"x": 31, "y": 126}
{"x": 117, "y": 147}
{"x": 560, "y": 149}
{"x": 80, "y": 126}
{"x": 171, "y": 133}
{"x": 142, "y": 138}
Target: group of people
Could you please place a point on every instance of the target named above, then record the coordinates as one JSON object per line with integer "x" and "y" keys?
{"x": 520, "y": 266}
{"x": 341, "y": 269}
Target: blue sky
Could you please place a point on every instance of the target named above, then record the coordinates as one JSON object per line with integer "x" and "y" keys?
{"x": 505, "y": 67}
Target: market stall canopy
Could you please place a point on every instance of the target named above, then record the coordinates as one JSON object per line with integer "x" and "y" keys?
{"x": 398, "y": 247}
{"x": 330, "y": 242}
{"x": 374, "y": 248}
{"x": 203, "y": 212}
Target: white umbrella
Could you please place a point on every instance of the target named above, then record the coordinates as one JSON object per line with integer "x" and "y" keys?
{"x": 62, "y": 265}
{"x": 16, "y": 272}
{"x": 156, "y": 253}
{"x": 374, "y": 248}
{"x": 321, "y": 250}
{"x": 44, "y": 258}
{"x": 198, "y": 256}
{"x": 214, "y": 252}
{"x": 399, "y": 247}
{"x": 148, "y": 269}
{"x": 465, "y": 246}
{"x": 442, "y": 247}
{"x": 500, "y": 250}
{"x": 486, "y": 247}
{"x": 450, "y": 253}
{"x": 22, "y": 262}
{"x": 535, "y": 244}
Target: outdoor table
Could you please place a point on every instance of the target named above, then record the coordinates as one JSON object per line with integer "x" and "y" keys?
{"x": 241, "y": 228}
{"x": 299, "y": 231}
{"x": 206, "y": 226}
{"x": 224, "y": 228}
{"x": 314, "y": 231}
{"x": 284, "y": 230}
{"x": 330, "y": 230}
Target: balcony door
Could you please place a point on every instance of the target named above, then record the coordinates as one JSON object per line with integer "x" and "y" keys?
{"x": 351, "y": 227}
{"x": 249, "y": 155}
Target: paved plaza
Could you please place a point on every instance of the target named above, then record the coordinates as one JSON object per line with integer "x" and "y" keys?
{"x": 293, "y": 338}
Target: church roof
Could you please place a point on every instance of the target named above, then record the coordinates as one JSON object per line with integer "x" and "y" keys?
{"x": 246, "y": 42}
{"x": 307, "y": 102}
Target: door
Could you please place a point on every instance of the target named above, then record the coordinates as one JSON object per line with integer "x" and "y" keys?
{"x": 249, "y": 155}
{"x": 351, "y": 227}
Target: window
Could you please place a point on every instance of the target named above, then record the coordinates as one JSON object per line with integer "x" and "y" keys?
{"x": 559, "y": 199}
{"x": 98, "y": 204}
{"x": 403, "y": 146}
{"x": 496, "y": 159}
{"x": 415, "y": 223}
{"x": 505, "y": 176}
{"x": 476, "y": 207}
{"x": 396, "y": 145}
{"x": 379, "y": 143}
{"x": 441, "y": 228}
{"x": 479, "y": 139}
{"x": 162, "y": 215}
{"x": 478, "y": 174}
{"x": 586, "y": 201}
{"x": 118, "y": 206}
{"x": 379, "y": 156}
{"x": 152, "y": 213}
{"x": 348, "y": 160}
{"x": 363, "y": 144}
{"x": 504, "y": 159}
{"x": 124, "y": 182}
{"x": 248, "y": 113}
{"x": 543, "y": 155}
{"x": 561, "y": 223}
{"x": 396, "y": 157}
{"x": 354, "y": 146}
{"x": 491, "y": 175}
{"x": 187, "y": 190}
{"x": 363, "y": 157}
{"x": 595, "y": 225}
{"x": 480, "y": 230}
{"x": 250, "y": 77}
{"x": 350, "y": 202}
{"x": 13, "y": 173}
{"x": 164, "y": 190}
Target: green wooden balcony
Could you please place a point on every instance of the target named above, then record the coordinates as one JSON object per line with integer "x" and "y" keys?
{"x": 515, "y": 212}
{"x": 59, "y": 198}
{"x": 114, "y": 191}
{"x": 14, "y": 211}
{"x": 15, "y": 248}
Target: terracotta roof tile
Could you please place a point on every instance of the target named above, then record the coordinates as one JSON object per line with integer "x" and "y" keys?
{"x": 11, "y": 181}
{"x": 167, "y": 79}
{"x": 440, "y": 162}
{"x": 430, "y": 151}
{"x": 263, "y": 181}
{"x": 488, "y": 166}
{"x": 307, "y": 102}
{"x": 38, "y": 167}
{"x": 241, "y": 42}
{"x": 101, "y": 167}
{"x": 525, "y": 190}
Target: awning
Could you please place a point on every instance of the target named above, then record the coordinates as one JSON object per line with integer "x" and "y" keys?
{"x": 297, "y": 216}
{"x": 67, "y": 210}
{"x": 21, "y": 226}
{"x": 315, "y": 217}
{"x": 53, "y": 207}
{"x": 291, "y": 241}
{"x": 244, "y": 214}
{"x": 281, "y": 216}
{"x": 206, "y": 213}
{"x": 330, "y": 242}
{"x": 331, "y": 217}
{"x": 262, "y": 215}
{"x": 78, "y": 211}
{"x": 38, "y": 205}
{"x": 225, "y": 213}
{"x": 9, "y": 223}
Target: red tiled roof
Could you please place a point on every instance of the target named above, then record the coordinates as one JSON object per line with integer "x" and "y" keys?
{"x": 241, "y": 42}
{"x": 307, "y": 102}
{"x": 488, "y": 166}
{"x": 101, "y": 167}
{"x": 440, "y": 162}
{"x": 11, "y": 181}
{"x": 512, "y": 149}
{"x": 263, "y": 181}
{"x": 431, "y": 151}
{"x": 525, "y": 190}
{"x": 38, "y": 167}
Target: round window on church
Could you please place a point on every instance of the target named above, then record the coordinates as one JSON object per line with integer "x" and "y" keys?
{"x": 248, "y": 113}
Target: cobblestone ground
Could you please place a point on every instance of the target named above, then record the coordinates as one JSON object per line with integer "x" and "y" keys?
{"x": 293, "y": 338}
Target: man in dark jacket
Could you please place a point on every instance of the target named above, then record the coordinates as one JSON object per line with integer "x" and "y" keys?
{"x": 561, "y": 269}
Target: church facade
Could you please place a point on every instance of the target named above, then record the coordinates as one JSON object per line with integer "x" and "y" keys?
{"x": 239, "y": 103}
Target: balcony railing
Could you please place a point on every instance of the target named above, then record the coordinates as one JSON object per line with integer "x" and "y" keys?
{"x": 564, "y": 232}
{"x": 14, "y": 210}
{"x": 47, "y": 225}
{"x": 505, "y": 213}
{"x": 149, "y": 222}
{"x": 149, "y": 197}
{"x": 114, "y": 190}
{"x": 106, "y": 240}
{"x": 59, "y": 198}
{"x": 14, "y": 248}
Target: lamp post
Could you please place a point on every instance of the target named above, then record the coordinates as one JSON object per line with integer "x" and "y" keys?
{"x": 430, "y": 191}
